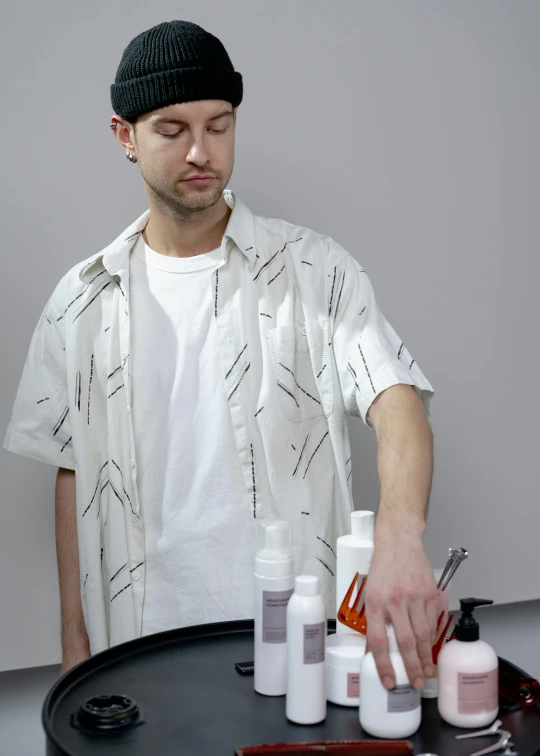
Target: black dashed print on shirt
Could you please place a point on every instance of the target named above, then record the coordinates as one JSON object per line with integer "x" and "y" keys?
{"x": 327, "y": 545}
{"x": 264, "y": 314}
{"x": 259, "y": 410}
{"x": 216, "y": 295}
{"x": 90, "y": 387}
{"x": 286, "y": 390}
{"x": 332, "y": 292}
{"x": 299, "y": 386}
{"x": 305, "y": 262}
{"x": 60, "y": 421}
{"x": 64, "y": 446}
{"x": 367, "y": 369}
{"x": 119, "y": 592}
{"x": 353, "y": 374}
{"x": 301, "y": 455}
{"x": 133, "y": 236}
{"x": 339, "y": 295}
{"x": 123, "y": 486}
{"x": 363, "y": 311}
{"x": 92, "y": 299}
{"x": 400, "y": 350}
{"x": 114, "y": 372}
{"x": 242, "y": 376}
{"x": 412, "y": 363}
{"x": 118, "y": 572}
{"x": 82, "y": 293}
{"x": 43, "y": 400}
{"x": 277, "y": 274}
{"x": 136, "y": 567}
{"x": 314, "y": 453}
{"x": 116, "y": 390}
{"x": 321, "y": 371}
{"x": 323, "y": 563}
{"x": 274, "y": 256}
{"x": 96, "y": 488}
{"x": 254, "y": 486}
{"x": 235, "y": 362}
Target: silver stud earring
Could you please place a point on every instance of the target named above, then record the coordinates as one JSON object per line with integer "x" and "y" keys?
{"x": 131, "y": 157}
{"x": 113, "y": 126}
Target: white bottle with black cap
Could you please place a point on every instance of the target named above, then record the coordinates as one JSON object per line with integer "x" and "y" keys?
{"x": 468, "y": 674}
{"x": 306, "y": 640}
{"x": 354, "y": 553}
{"x": 274, "y": 583}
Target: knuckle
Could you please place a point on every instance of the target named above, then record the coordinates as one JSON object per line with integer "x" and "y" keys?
{"x": 407, "y": 643}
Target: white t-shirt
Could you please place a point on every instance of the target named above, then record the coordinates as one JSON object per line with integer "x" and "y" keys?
{"x": 199, "y": 530}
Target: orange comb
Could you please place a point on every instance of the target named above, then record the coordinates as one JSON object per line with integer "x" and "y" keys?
{"x": 352, "y": 616}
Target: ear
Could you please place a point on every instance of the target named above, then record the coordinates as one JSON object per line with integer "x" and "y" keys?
{"x": 124, "y": 132}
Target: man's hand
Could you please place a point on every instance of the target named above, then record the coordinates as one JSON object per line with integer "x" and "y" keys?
{"x": 401, "y": 590}
{"x": 400, "y": 587}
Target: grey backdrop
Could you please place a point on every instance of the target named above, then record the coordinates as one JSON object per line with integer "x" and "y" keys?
{"x": 407, "y": 131}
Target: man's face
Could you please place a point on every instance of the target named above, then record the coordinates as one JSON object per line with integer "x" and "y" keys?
{"x": 181, "y": 142}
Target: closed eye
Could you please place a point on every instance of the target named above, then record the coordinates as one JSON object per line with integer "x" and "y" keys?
{"x": 173, "y": 136}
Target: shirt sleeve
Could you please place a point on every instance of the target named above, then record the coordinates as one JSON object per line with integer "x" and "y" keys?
{"x": 370, "y": 356}
{"x": 40, "y": 425}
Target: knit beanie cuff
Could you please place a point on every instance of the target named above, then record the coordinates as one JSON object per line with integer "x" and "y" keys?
{"x": 138, "y": 96}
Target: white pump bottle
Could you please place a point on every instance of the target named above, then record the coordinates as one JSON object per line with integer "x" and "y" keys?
{"x": 274, "y": 584}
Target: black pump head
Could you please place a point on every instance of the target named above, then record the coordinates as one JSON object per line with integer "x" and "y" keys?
{"x": 467, "y": 628}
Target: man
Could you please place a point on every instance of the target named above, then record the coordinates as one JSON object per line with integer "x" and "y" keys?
{"x": 195, "y": 376}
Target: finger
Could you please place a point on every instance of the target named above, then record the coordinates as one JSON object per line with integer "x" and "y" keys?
{"x": 432, "y": 612}
{"x": 422, "y": 631}
{"x": 377, "y": 643}
{"x": 407, "y": 645}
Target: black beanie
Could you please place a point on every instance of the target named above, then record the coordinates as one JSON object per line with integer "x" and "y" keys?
{"x": 173, "y": 62}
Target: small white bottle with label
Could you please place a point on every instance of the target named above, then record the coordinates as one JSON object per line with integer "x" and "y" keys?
{"x": 274, "y": 583}
{"x": 468, "y": 674}
{"x": 306, "y": 640}
{"x": 354, "y": 553}
{"x": 395, "y": 713}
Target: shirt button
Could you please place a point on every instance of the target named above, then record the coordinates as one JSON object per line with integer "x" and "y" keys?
{"x": 135, "y": 575}
{"x": 134, "y": 518}
{"x": 304, "y": 332}
{"x": 129, "y": 410}
{"x": 133, "y": 462}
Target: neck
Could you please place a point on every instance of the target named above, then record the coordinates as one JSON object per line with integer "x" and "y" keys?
{"x": 194, "y": 233}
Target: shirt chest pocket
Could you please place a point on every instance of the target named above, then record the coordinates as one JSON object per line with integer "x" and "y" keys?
{"x": 302, "y": 369}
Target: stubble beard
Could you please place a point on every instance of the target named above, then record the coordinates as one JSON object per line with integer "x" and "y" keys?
{"x": 173, "y": 201}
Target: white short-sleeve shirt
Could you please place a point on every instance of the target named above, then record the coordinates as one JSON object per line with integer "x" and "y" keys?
{"x": 302, "y": 343}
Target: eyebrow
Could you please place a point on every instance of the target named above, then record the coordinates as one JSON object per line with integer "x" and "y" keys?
{"x": 158, "y": 120}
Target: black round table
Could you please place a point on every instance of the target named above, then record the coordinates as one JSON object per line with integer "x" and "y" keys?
{"x": 193, "y": 702}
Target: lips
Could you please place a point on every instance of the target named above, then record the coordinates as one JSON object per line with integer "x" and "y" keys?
{"x": 202, "y": 180}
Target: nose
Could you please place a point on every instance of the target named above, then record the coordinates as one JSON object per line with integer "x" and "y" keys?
{"x": 198, "y": 153}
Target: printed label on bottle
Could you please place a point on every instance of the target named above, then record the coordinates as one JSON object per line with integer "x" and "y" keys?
{"x": 353, "y": 685}
{"x": 314, "y": 643}
{"x": 403, "y": 698}
{"x": 478, "y": 693}
{"x": 274, "y": 616}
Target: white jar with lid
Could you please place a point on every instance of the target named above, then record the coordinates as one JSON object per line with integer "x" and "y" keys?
{"x": 395, "y": 713}
{"x": 344, "y": 655}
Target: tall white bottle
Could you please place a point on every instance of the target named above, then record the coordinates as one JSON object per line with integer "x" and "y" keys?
{"x": 274, "y": 583}
{"x": 306, "y": 642}
{"x": 354, "y": 554}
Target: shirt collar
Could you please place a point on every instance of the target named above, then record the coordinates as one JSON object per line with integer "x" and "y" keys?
{"x": 240, "y": 230}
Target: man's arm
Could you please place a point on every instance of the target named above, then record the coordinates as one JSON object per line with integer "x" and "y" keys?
{"x": 75, "y": 646}
{"x": 400, "y": 587}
